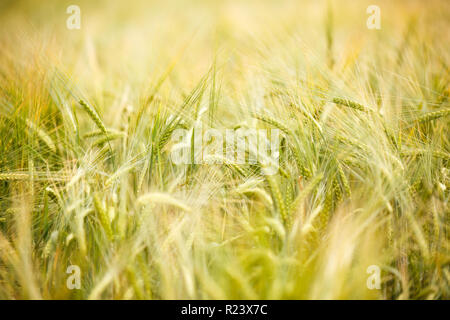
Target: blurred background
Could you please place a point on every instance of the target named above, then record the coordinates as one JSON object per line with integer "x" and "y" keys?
{"x": 127, "y": 42}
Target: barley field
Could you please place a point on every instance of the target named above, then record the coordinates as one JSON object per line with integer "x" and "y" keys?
{"x": 93, "y": 206}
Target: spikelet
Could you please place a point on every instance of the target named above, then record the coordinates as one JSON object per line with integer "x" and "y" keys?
{"x": 14, "y": 176}
{"x": 37, "y": 175}
{"x": 284, "y": 173}
{"x": 277, "y": 197}
{"x": 142, "y": 175}
{"x": 352, "y": 163}
{"x": 433, "y": 115}
{"x": 51, "y": 244}
{"x": 289, "y": 194}
{"x": 93, "y": 115}
{"x": 325, "y": 213}
{"x": 420, "y": 152}
{"x": 347, "y": 141}
{"x": 102, "y": 215}
{"x": 440, "y": 154}
{"x": 237, "y": 168}
{"x": 344, "y": 180}
{"x": 391, "y": 137}
{"x": 277, "y": 124}
{"x": 274, "y": 122}
{"x": 351, "y": 104}
{"x": 11, "y": 211}
{"x": 298, "y": 160}
{"x": 164, "y": 137}
{"x": 337, "y": 192}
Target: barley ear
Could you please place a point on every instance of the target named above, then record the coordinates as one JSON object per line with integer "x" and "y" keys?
{"x": 102, "y": 215}
{"x": 93, "y": 115}
{"x": 303, "y": 193}
{"x": 344, "y": 180}
{"x": 433, "y": 115}
{"x": 350, "y": 104}
{"x": 278, "y": 198}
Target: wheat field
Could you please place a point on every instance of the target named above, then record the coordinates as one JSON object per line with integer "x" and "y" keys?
{"x": 92, "y": 206}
